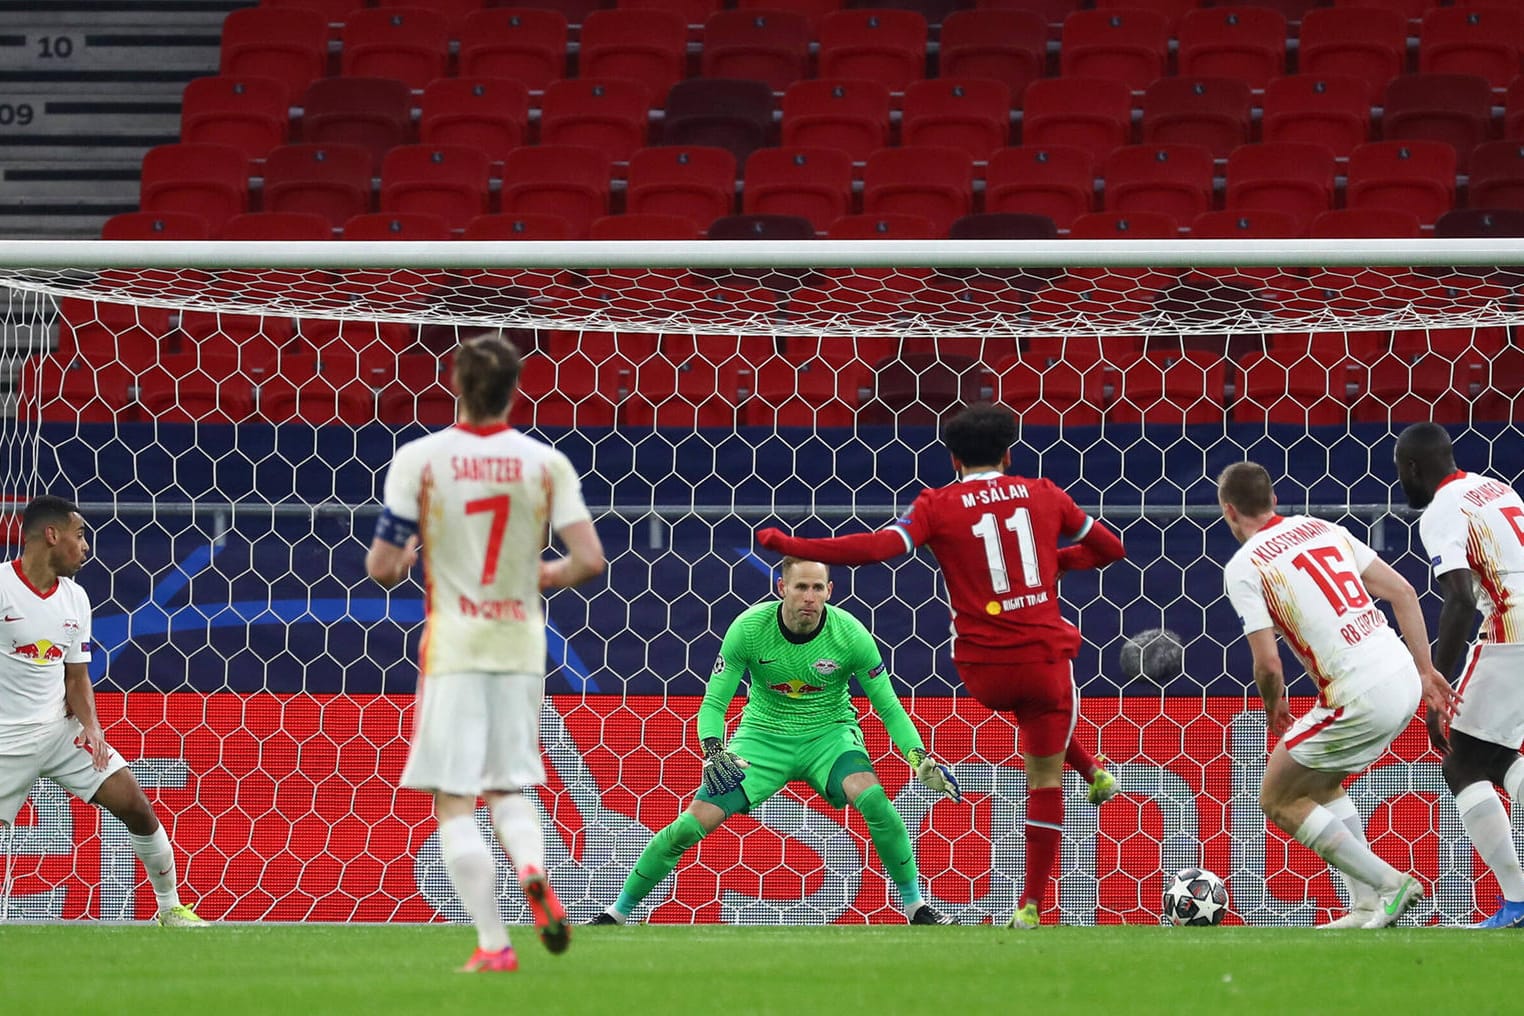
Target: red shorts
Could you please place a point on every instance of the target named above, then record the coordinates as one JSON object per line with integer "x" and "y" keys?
{"x": 1041, "y": 695}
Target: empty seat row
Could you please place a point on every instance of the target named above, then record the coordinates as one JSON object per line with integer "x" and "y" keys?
{"x": 1130, "y": 46}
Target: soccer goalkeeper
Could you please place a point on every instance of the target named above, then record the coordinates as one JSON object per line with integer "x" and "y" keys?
{"x": 798, "y": 724}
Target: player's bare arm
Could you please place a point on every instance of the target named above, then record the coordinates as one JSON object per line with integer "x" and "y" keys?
{"x": 1384, "y": 581}
{"x": 1270, "y": 678}
{"x": 79, "y": 696}
{"x": 388, "y": 564}
{"x": 1457, "y": 620}
{"x": 584, "y": 558}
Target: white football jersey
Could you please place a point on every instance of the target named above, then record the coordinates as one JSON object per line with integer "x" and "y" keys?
{"x": 1301, "y": 576}
{"x": 485, "y": 500}
{"x": 40, "y": 631}
{"x": 1477, "y": 522}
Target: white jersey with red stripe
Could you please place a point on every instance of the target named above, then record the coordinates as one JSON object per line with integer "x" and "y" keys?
{"x": 1477, "y": 522}
{"x": 1301, "y": 576}
{"x": 485, "y": 500}
{"x": 40, "y": 631}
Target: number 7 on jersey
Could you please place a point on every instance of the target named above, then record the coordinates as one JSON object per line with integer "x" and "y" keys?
{"x": 499, "y": 506}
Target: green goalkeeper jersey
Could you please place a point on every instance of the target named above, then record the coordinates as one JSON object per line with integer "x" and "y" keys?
{"x": 799, "y": 683}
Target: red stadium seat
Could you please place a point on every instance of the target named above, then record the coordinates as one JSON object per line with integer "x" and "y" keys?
{"x": 373, "y": 113}
{"x": 972, "y": 115}
{"x": 609, "y": 115}
{"x": 206, "y": 180}
{"x": 850, "y": 115}
{"x": 1171, "y": 392}
{"x": 695, "y": 12}
{"x": 882, "y": 227}
{"x": 1172, "y": 10}
{"x": 456, "y": 12}
{"x": 409, "y": 44}
{"x": 1411, "y": 176}
{"x": 334, "y": 12}
{"x": 935, "y": 182}
{"x": 527, "y": 226}
{"x": 1412, "y": 10}
{"x": 1061, "y": 394}
{"x": 444, "y": 180}
{"x": 1323, "y": 110}
{"x": 192, "y": 397}
{"x": 1453, "y": 108}
{"x": 396, "y": 226}
{"x": 156, "y": 226}
{"x": 1173, "y": 179}
{"x": 333, "y": 181}
{"x": 1501, "y": 398}
{"x": 761, "y": 227}
{"x": 277, "y": 226}
{"x": 757, "y": 45}
{"x": 1003, "y": 45}
{"x": 1054, "y": 181}
{"x": 59, "y": 388}
{"x": 317, "y": 401}
{"x": 646, "y": 46}
{"x": 1246, "y": 43}
{"x": 1291, "y": 388}
{"x": 560, "y": 180}
{"x": 888, "y": 46}
{"x": 1481, "y": 39}
{"x": 1210, "y": 112}
{"x": 720, "y": 113}
{"x": 918, "y": 389}
{"x": 1513, "y": 110}
{"x": 1249, "y": 224}
{"x": 813, "y": 10}
{"x": 1425, "y": 391}
{"x": 289, "y": 46}
{"x": 1370, "y": 45}
{"x": 635, "y": 226}
{"x": 1293, "y": 178}
{"x": 570, "y": 392}
{"x": 1456, "y": 345}
{"x": 521, "y": 44}
{"x": 1481, "y": 222}
{"x": 1497, "y": 175}
{"x": 813, "y": 183}
{"x": 1130, "y": 46}
{"x": 695, "y": 182}
{"x": 808, "y": 393}
{"x": 249, "y": 114}
{"x": 1052, "y": 11}
{"x": 694, "y": 394}
{"x": 1003, "y": 226}
{"x": 1140, "y": 225}
{"x": 1356, "y": 223}
{"x": 1089, "y": 113}
{"x": 491, "y": 114}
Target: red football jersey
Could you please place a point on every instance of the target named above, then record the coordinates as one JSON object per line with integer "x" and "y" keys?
{"x": 996, "y": 538}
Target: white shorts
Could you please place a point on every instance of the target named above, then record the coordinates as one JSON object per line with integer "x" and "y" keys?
{"x": 49, "y": 751}
{"x": 475, "y": 732}
{"x": 1492, "y": 694}
{"x": 1351, "y": 737}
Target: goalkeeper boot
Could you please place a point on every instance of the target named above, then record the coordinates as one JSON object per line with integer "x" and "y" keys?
{"x": 606, "y": 917}
{"x": 1103, "y": 785}
{"x": 925, "y": 913}
{"x": 486, "y": 961}
{"x": 179, "y": 917}
{"x": 1025, "y": 918}
{"x": 549, "y": 915}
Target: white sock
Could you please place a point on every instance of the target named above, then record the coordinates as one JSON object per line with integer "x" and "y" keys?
{"x": 517, "y": 822}
{"x": 158, "y": 859}
{"x": 1361, "y": 895}
{"x": 1513, "y": 781}
{"x": 472, "y": 873}
{"x": 1331, "y": 841}
{"x": 1481, "y": 812}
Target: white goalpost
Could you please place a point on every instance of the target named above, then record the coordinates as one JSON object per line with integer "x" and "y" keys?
{"x": 223, "y": 413}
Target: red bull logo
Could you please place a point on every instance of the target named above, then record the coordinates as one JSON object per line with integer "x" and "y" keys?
{"x": 41, "y": 651}
{"x": 795, "y": 688}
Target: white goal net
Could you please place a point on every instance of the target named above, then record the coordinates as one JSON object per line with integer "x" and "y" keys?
{"x": 224, "y": 413}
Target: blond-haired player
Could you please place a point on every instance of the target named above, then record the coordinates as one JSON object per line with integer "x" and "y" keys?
{"x": 1315, "y": 583}
{"x": 48, "y": 725}
{"x": 477, "y": 501}
{"x": 1473, "y": 532}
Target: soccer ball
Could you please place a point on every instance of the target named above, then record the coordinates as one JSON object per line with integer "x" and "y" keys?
{"x": 1195, "y": 896}
{"x": 1155, "y": 654}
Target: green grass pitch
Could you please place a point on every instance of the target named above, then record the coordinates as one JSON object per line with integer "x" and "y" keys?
{"x": 294, "y": 970}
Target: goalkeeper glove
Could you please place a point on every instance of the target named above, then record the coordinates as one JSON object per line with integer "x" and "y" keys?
{"x": 723, "y": 768}
{"x": 935, "y": 775}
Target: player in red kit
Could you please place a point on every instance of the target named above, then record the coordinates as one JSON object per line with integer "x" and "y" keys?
{"x": 996, "y": 538}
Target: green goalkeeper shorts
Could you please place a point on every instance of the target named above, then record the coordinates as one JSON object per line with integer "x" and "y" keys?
{"x": 823, "y": 759}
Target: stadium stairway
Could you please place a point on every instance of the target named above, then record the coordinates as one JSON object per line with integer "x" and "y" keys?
{"x": 89, "y": 86}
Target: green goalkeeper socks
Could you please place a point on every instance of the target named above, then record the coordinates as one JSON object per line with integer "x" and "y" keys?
{"x": 659, "y": 858}
{"x": 892, "y": 842}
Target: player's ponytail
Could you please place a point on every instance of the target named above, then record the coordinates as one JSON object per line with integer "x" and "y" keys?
{"x": 487, "y": 370}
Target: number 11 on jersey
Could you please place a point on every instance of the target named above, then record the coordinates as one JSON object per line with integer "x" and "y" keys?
{"x": 988, "y": 530}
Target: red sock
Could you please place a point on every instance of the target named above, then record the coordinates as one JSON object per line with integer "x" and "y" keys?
{"x": 1080, "y": 760}
{"x": 1045, "y": 824}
